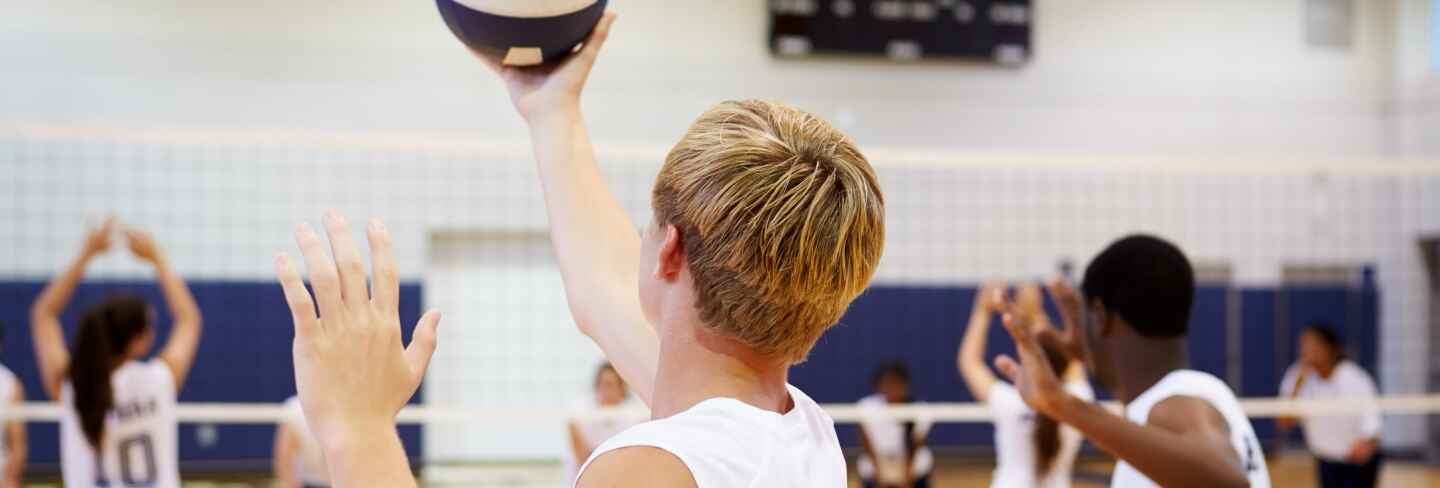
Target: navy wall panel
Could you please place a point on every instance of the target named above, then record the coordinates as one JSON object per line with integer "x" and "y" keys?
{"x": 244, "y": 357}
{"x": 1209, "y": 332}
{"x": 1260, "y": 367}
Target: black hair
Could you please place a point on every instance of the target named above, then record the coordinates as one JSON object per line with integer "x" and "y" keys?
{"x": 894, "y": 369}
{"x": 106, "y": 330}
{"x": 1145, "y": 280}
{"x": 1327, "y": 334}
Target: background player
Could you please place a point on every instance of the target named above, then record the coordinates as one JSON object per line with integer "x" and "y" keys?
{"x": 894, "y": 453}
{"x": 298, "y": 460}
{"x": 118, "y": 426}
{"x": 1345, "y": 446}
{"x": 1181, "y": 427}
{"x": 586, "y": 434}
{"x": 14, "y": 447}
{"x": 1031, "y": 450}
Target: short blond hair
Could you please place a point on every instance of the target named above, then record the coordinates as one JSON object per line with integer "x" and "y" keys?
{"x": 782, "y": 220}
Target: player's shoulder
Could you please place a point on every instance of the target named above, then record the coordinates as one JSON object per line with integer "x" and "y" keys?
{"x": 636, "y": 466}
{"x": 152, "y": 374}
{"x": 1186, "y": 414}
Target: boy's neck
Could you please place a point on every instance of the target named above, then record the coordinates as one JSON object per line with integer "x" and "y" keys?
{"x": 693, "y": 370}
{"x": 1145, "y": 362}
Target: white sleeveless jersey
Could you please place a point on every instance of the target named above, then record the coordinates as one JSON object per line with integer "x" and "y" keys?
{"x": 8, "y": 385}
{"x": 726, "y": 443}
{"x": 309, "y": 461}
{"x": 1015, "y": 439}
{"x": 139, "y": 445}
{"x": 1213, "y": 391}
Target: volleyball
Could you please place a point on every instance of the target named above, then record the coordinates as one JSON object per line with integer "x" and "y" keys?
{"x": 522, "y": 32}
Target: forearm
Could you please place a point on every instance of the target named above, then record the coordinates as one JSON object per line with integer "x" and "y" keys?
{"x": 1167, "y": 458}
{"x": 57, "y": 293}
{"x": 369, "y": 456}
{"x": 597, "y": 248}
{"x": 177, "y": 296}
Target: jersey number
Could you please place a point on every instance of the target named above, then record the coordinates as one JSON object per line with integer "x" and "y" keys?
{"x": 128, "y": 477}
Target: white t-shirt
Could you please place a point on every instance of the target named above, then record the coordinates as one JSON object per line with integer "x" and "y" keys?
{"x": 887, "y": 437}
{"x": 596, "y": 431}
{"x": 727, "y": 443}
{"x": 139, "y": 445}
{"x": 1330, "y": 437}
{"x": 309, "y": 462}
{"x": 8, "y": 385}
{"x": 1213, "y": 391}
{"x": 1015, "y": 439}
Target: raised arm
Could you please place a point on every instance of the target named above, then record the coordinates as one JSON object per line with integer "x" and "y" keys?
{"x": 179, "y": 350}
{"x": 353, "y": 372}
{"x": 596, "y": 244}
{"x": 45, "y": 329}
{"x": 1185, "y": 444}
{"x": 971, "y": 357}
{"x": 287, "y": 447}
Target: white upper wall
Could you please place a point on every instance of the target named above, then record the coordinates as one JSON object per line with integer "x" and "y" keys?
{"x": 1109, "y": 76}
{"x": 1416, "y": 105}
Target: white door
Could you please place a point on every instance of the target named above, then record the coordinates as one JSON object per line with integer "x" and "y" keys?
{"x": 507, "y": 341}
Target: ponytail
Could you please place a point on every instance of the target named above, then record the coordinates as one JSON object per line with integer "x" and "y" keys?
{"x": 1047, "y": 430}
{"x": 105, "y": 331}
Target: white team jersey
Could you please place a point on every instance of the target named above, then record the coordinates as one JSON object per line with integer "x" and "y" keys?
{"x": 1015, "y": 439}
{"x": 1213, "y": 391}
{"x": 139, "y": 445}
{"x": 887, "y": 438}
{"x": 309, "y": 462}
{"x": 727, "y": 443}
{"x": 8, "y": 385}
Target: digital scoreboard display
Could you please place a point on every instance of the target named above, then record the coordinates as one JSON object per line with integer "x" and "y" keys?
{"x": 979, "y": 30}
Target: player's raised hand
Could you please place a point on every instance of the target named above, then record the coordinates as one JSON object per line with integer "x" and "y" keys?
{"x": 546, "y": 89}
{"x": 352, "y": 372}
{"x": 142, "y": 245}
{"x": 1032, "y": 373}
{"x": 1071, "y": 337}
{"x": 97, "y": 239}
{"x": 990, "y": 299}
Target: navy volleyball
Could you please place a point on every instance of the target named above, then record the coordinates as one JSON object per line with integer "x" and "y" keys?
{"x": 522, "y": 32}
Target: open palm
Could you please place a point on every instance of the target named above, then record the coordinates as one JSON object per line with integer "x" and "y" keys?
{"x": 538, "y": 90}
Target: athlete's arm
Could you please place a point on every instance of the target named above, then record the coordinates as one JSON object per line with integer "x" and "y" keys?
{"x": 17, "y": 447}
{"x": 353, "y": 371}
{"x": 179, "y": 351}
{"x": 45, "y": 330}
{"x": 1184, "y": 444}
{"x": 287, "y": 445}
{"x": 636, "y": 466}
{"x": 596, "y": 244}
{"x": 869, "y": 449}
{"x": 1295, "y": 381}
{"x": 578, "y": 446}
{"x": 970, "y": 359}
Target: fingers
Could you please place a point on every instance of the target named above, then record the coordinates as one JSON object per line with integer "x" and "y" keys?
{"x": 385, "y": 286}
{"x": 1008, "y": 368}
{"x": 348, "y": 263}
{"x": 599, "y": 35}
{"x": 302, "y": 309}
{"x": 322, "y": 271}
{"x": 1025, "y": 342}
{"x": 422, "y": 345}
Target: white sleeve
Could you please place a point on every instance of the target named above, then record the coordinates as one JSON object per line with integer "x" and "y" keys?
{"x": 1361, "y": 386}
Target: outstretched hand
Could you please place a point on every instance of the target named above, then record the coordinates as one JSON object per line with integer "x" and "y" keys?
{"x": 1032, "y": 374}
{"x": 545, "y": 89}
{"x": 142, "y": 245}
{"x": 97, "y": 239}
{"x": 352, "y": 371}
{"x": 1071, "y": 337}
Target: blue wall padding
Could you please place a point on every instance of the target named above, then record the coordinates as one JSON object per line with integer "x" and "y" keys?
{"x": 244, "y": 356}
{"x": 1206, "y": 343}
{"x": 1260, "y": 364}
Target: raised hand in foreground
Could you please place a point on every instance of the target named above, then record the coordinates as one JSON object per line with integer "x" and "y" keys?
{"x": 351, "y": 370}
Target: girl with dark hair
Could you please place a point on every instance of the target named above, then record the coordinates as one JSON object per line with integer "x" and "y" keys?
{"x": 118, "y": 426}
{"x": 894, "y": 455}
{"x": 1032, "y": 450}
{"x": 1345, "y": 446}
{"x": 608, "y": 395}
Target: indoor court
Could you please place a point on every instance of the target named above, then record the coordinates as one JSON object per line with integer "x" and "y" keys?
{"x": 1289, "y": 149}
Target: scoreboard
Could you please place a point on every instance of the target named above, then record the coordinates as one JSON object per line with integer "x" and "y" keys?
{"x": 981, "y": 30}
